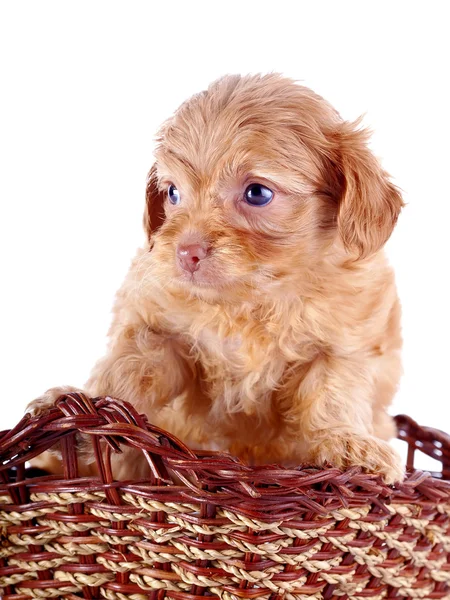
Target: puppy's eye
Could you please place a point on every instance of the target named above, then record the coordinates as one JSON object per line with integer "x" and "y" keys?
{"x": 174, "y": 194}
{"x": 258, "y": 195}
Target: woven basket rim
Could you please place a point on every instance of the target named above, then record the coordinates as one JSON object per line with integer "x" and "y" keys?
{"x": 268, "y": 492}
{"x": 206, "y": 524}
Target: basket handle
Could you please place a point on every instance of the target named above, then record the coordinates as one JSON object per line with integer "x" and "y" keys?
{"x": 430, "y": 441}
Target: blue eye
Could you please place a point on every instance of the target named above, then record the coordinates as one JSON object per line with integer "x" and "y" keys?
{"x": 258, "y": 195}
{"x": 174, "y": 194}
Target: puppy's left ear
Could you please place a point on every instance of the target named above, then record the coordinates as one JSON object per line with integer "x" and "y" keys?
{"x": 154, "y": 204}
{"x": 369, "y": 204}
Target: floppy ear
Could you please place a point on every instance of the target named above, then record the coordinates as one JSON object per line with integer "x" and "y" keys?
{"x": 369, "y": 204}
{"x": 154, "y": 204}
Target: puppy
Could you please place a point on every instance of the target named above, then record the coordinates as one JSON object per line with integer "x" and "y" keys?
{"x": 261, "y": 316}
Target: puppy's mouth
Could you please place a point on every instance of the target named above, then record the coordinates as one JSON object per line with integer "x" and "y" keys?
{"x": 204, "y": 275}
{"x": 202, "y": 268}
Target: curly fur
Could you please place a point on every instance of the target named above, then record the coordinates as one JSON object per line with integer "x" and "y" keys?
{"x": 285, "y": 345}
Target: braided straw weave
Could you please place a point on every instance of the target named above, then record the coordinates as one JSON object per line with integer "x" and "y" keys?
{"x": 207, "y": 525}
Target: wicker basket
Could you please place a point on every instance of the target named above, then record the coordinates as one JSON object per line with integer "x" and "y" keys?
{"x": 223, "y": 529}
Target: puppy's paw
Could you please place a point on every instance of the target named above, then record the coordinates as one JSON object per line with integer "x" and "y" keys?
{"x": 372, "y": 454}
{"x": 38, "y": 406}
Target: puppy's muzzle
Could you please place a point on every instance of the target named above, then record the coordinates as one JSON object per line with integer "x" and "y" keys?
{"x": 190, "y": 256}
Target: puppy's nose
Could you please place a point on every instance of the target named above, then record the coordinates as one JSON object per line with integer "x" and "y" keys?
{"x": 190, "y": 255}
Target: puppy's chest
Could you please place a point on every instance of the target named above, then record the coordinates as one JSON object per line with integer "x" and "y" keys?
{"x": 235, "y": 370}
{"x": 251, "y": 352}
{"x": 243, "y": 353}
{"x": 231, "y": 350}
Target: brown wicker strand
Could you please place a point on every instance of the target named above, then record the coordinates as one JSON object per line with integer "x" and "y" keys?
{"x": 205, "y": 524}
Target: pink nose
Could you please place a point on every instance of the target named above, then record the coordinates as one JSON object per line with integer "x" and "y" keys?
{"x": 190, "y": 255}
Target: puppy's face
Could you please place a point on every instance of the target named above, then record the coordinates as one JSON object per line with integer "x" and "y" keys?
{"x": 256, "y": 181}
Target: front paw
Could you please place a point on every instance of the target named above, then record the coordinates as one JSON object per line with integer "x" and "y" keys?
{"x": 345, "y": 450}
{"x": 43, "y": 403}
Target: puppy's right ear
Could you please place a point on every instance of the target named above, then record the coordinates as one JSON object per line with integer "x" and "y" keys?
{"x": 154, "y": 204}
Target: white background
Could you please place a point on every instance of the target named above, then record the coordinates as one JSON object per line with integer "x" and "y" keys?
{"x": 84, "y": 87}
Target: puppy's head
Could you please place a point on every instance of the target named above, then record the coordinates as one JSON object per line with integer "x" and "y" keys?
{"x": 257, "y": 180}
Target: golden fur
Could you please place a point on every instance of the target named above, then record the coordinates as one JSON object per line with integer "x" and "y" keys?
{"x": 285, "y": 345}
